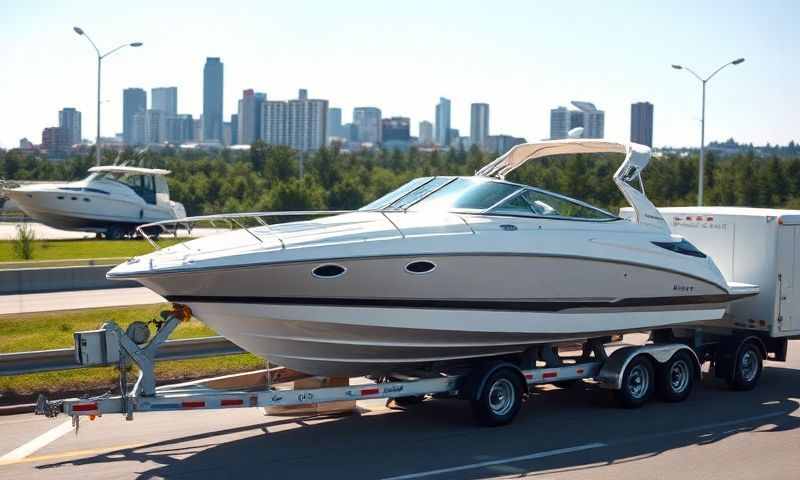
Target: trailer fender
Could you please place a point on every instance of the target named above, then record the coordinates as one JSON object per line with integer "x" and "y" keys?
{"x": 613, "y": 369}
{"x": 729, "y": 350}
{"x": 475, "y": 381}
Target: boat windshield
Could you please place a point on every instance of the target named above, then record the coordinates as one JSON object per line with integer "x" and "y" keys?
{"x": 467, "y": 193}
{"x": 538, "y": 203}
{"x": 395, "y": 195}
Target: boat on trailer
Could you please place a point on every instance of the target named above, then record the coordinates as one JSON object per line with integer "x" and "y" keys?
{"x": 444, "y": 270}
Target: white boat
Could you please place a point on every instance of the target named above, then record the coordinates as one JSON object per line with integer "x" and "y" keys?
{"x": 443, "y": 270}
{"x": 112, "y": 200}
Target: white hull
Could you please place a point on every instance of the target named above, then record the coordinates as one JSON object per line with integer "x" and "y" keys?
{"x": 353, "y": 341}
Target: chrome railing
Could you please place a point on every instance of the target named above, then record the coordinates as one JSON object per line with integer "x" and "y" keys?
{"x": 237, "y": 220}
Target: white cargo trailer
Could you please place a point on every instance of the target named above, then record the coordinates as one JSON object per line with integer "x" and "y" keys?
{"x": 749, "y": 245}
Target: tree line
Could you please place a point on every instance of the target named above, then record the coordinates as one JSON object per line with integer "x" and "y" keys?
{"x": 267, "y": 177}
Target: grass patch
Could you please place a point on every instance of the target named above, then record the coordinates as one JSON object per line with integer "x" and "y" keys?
{"x": 45, "y": 331}
{"x": 83, "y": 249}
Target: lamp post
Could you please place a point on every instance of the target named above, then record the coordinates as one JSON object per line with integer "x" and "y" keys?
{"x": 703, "y": 121}
{"x": 100, "y": 57}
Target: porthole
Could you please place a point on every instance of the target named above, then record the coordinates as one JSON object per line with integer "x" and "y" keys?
{"x": 420, "y": 267}
{"x": 86, "y": 200}
{"x": 61, "y": 197}
{"x": 329, "y": 270}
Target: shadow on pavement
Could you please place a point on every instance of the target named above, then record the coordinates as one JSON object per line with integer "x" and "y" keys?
{"x": 440, "y": 434}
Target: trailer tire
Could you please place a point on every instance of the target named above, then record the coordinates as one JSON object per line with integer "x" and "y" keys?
{"x": 747, "y": 368}
{"x": 675, "y": 377}
{"x": 637, "y": 382}
{"x": 115, "y": 232}
{"x": 408, "y": 401}
{"x": 500, "y": 398}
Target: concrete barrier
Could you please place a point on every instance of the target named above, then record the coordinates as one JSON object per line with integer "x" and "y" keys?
{"x": 37, "y": 280}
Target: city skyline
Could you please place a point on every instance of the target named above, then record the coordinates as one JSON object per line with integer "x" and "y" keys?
{"x": 406, "y": 76}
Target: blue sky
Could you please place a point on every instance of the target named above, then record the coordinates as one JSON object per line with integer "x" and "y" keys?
{"x": 522, "y": 57}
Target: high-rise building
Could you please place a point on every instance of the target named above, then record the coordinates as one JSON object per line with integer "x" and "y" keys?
{"x": 299, "y": 123}
{"x": 134, "y": 100}
{"x": 180, "y": 129}
{"x": 227, "y": 131}
{"x": 425, "y": 133}
{"x": 69, "y": 119}
{"x": 155, "y": 127}
{"x": 56, "y": 141}
{"x": 235, "y": 129}
{"x": 442, "y": 135}
{"x": 212, "y": 99}
{"x": 479, "y": 124}
{"x": 368, "y": 122}
{"x": 274, "y": 123}
{"x": 396, "y": 132}
{"x": 138, "y": 129}
{"x": 197, "y": 128}
{"x": 164, "y": 99}
{"x": 334, "y": 123}
{"x": 453, "y": 135}
{"x": 642, "y": 123}
{"x": 587, "y": 116}
{"x": 249, "y": 117}
{"x": 593, "y": 120}
{"x": 559, "y": 124}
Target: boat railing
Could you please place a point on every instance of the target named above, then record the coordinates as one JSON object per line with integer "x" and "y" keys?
{"x": 244, "y": 221}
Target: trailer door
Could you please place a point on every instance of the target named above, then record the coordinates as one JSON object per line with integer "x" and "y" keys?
{"x": 789, "y": 276}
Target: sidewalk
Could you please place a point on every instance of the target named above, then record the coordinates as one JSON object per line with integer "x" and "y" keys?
{"x": 74, "y": 300}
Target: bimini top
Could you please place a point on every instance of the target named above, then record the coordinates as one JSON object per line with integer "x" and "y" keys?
{"x": 129, "y": 170}
{"x": 636, "y": 159}
{"x": 518, "y": 155}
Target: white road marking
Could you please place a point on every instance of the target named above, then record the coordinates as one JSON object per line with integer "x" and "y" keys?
{"x": 532, "y": 456}
{"x": 37, "y": 443}
{"x": 591, "y": 446}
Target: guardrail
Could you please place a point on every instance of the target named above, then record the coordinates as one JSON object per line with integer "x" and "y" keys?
{"x": 19, "y": 363}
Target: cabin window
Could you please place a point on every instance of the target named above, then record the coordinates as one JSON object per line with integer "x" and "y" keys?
{"x": 420, "y": 267}
{"x": 467, "y": 193}
{"x": 328, "y": 271}
{"x": 142, "y": 185}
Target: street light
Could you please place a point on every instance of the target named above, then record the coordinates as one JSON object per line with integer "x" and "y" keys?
{"x": 100, "y": 57}
{"x": 703, "y": 120}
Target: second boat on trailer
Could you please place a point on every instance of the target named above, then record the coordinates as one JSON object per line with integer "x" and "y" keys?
{"x": 441, "y": 271}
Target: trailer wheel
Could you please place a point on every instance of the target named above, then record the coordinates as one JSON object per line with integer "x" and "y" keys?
{"x": 676, "y": 377}
{"x": 747, "y": 368}
{"x": 637, "y": 383}
{"x": 409, "y": 401}
{"x": 500, "y": 399}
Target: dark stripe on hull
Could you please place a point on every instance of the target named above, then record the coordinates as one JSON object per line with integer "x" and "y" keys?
{"x": 516, "y": 306}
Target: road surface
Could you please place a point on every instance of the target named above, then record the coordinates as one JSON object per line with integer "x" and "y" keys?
{"x": 74, "y": 300}
{"x": 576, "y": 433}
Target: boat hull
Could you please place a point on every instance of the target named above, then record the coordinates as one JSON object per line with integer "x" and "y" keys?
{"x": 347, "y": 341}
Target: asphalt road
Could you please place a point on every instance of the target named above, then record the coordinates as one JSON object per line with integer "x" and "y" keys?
{"x": 74, "y": 300}
{"x": 576, "y": 433}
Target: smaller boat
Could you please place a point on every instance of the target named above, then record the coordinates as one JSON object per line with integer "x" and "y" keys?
{"x": 113, "y": 200}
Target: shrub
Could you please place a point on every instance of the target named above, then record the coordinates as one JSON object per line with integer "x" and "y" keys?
{"x": 23, "y": 244}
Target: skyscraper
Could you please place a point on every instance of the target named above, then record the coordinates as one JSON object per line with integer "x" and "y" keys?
{"x": 368, "y": 122}
{"x": 396, "y": 132}
{"x": 164, "y": 99}
{"x": 299, "y": 123}
{"x": 334, "y": 122}
{"x": 69, "y": 120}
{"x": 212, "y": 100}
{"x": 642, "y": 123}
{"x": 155, "y": 127}
{"x": 249, "y": 117}
{"x": 587, "y": 116}
{"x": 55, "y": 141}
{"x": 593, "y": 120}
{"x": 559, "y": 123}
{"x": 442, "y": 136}
{"x": 235, "y": 128}
{"x": 134, "y": 100}
{"x": 479, "y": 124}
{"x": 425, "y": 133}
{"x": 138, "y": 128}
{"x": 180, "y": 129}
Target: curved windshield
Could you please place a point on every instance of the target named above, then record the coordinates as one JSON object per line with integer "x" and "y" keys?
{"x": 533, "y": 202}
{"x": 394, "y": 195}
{"x": 466, "y": 193}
